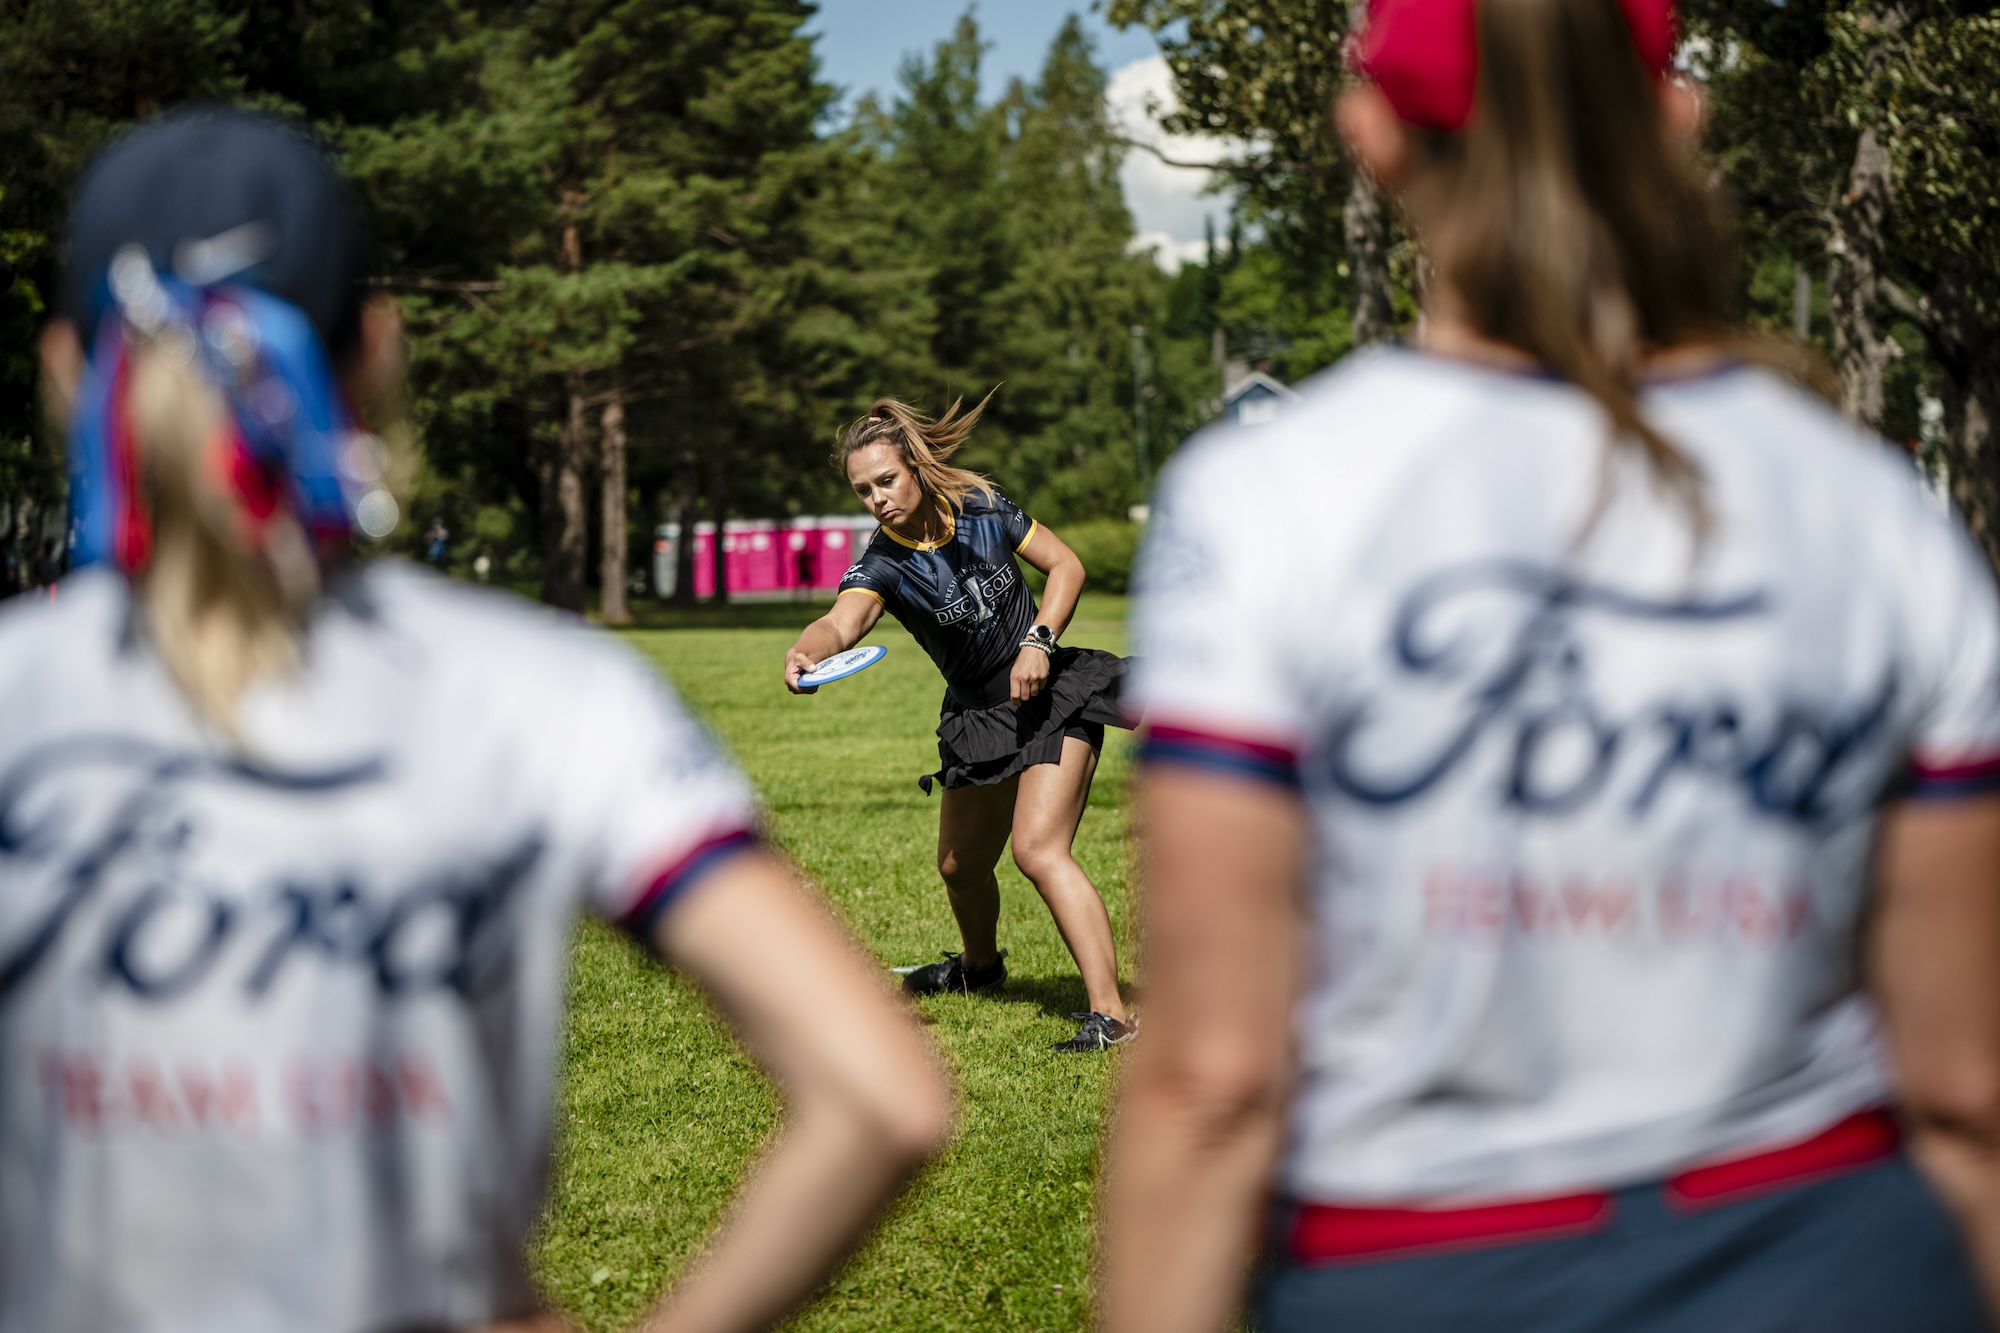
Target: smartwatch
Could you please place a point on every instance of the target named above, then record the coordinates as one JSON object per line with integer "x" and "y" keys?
{"x": 1042, "y": 637}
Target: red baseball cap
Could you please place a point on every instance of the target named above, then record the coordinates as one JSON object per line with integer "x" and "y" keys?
{"x": 1424, "y": 54}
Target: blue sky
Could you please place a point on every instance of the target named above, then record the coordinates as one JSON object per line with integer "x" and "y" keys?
{"x": 862, "y": 43}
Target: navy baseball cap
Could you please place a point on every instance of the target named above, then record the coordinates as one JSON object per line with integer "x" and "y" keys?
{"x": 216, "y": 192}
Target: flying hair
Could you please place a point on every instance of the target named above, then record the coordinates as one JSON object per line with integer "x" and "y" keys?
{"x": 1571, "y": 223}
{"x": 924, "y": 445}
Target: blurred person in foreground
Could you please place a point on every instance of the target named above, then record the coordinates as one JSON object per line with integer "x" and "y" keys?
{"x": 291, "y": 841}
{"x": 1572, "y": 859}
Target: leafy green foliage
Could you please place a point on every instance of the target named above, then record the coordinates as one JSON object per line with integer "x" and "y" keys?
{"x": 1796, "y": 89}
{"x": 1107, "y": 547}
{"x": 1017, "y": 212}
{"x": 1263, "y": 73}
{"x": 577, "y": 200}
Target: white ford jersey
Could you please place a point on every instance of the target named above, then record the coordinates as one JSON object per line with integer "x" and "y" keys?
{"x": 277, "y": 1026}
{"x": 1592, "y": 807}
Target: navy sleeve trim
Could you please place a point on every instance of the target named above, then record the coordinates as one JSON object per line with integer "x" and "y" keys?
{"x": 1950, "y": 782}
{"x": 669, "y": 885}
{"x": 1275, "y": 764}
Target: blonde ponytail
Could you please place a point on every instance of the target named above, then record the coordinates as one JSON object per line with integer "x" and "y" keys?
{"x": 223, "y": 610}
{"x": 923, "y": 444}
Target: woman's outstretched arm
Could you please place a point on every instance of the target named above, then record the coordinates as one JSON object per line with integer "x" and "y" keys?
{"x": 1198, "y": 1127}
{"x": 866, "y": 1099}
{"x": 853, "y": 614}
{"x": 1934, "y": 966}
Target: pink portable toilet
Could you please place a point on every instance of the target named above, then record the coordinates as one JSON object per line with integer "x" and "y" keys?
{"x": 799, "y": 554}
{"x": 752, "y": 548}
{"x": 842, "y": 538}
{"x": 704, "y": 561}
{"x": 732, "y": 557}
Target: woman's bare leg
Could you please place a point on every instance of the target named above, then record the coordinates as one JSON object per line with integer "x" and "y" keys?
{"x": 973, "y": 823}
{"x": 1047, "y": 811}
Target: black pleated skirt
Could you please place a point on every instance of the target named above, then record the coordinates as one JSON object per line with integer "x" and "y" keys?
{"x": 981, "y": 742}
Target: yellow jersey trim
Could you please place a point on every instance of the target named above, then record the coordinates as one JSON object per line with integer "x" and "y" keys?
{"x": 950, "y": 531}
{"x": 865, "y": 592}
{"x": 1032, "y": 528}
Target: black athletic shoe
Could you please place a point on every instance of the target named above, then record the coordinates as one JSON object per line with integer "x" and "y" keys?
{"x": 1100, "y": 1032}
{"x": 953, "y": 975}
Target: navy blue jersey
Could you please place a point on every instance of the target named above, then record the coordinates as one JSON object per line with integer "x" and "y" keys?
{"x": 961, "y": 598}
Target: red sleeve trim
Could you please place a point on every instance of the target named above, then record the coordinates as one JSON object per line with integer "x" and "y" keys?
{"x": 1219, "y": 752}
{"x": 1970, "y": 777}
{"x": 668, "y": 886}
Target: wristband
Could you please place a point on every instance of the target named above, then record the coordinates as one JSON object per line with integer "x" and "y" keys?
{"x": 1037, "y": 643}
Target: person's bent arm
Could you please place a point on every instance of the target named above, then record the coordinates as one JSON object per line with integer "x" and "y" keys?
{"x": 1201, "y": 1117}
{"x": 1934, "y": 966}
{"x": 854, "y": 613}
{"x": 1052, "y": 556}
{"x": 866, "y": 1101}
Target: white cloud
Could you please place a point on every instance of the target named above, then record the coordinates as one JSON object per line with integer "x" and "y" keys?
{"x": 1167, "y": 202}
{"x": 1168, "y": 252}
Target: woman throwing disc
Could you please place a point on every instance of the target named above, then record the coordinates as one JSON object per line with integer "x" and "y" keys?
{"x": 1023, "y": 720}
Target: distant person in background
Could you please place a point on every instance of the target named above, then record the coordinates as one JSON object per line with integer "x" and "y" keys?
{"x": 437, "y": 542}
{"x": 291, "y": 841}
{"x": 805, "y": 567}
{"x": 1022, "y": 721}
{"x": 49, "y": 566}
{"x": 1571, "y": 859}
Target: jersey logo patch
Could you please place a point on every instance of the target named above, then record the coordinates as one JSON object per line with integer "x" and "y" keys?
{"x": 979, "y": 604}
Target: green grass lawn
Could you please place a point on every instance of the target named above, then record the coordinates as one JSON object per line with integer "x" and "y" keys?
{"x": 661, "y": 1113}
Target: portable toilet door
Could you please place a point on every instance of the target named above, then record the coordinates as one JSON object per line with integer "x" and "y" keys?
{"x": 666, "y": 568}
{"x": 751, "y": 548}
{"x": 704, "y": 561}
{"x": 842, "y": 538}
{"x": 799, "y": 555}
{"x": 765, "y": 559}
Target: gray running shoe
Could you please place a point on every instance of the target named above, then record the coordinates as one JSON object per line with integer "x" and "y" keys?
{"x": 1100, "y": 1032}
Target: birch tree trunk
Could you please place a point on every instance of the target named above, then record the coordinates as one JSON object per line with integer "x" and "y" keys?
{"x": 1855, "y": 244}
{"x": 1369, "y": 232}
{"x": 612, "y": 573}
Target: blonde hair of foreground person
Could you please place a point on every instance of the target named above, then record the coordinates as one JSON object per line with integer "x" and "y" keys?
{"x": 867, "y": 1101}
{"x": 1599, "y": 277}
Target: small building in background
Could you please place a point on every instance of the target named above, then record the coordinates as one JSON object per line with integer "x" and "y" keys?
{"x": 1253, "y": 398}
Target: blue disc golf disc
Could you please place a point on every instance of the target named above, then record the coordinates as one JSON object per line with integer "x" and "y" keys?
{"x": 842, "y": 665}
